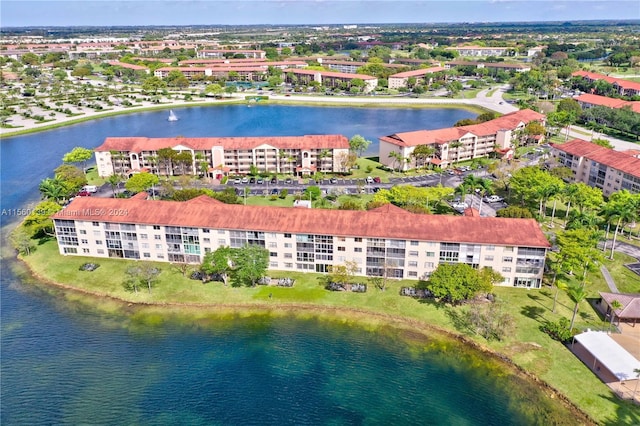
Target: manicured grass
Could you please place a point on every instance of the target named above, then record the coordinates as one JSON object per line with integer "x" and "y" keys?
{"x": 527, "y": 346}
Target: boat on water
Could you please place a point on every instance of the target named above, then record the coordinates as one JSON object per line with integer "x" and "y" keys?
{"x": 172, "y": 116}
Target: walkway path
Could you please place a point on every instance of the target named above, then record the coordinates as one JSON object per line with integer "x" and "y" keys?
{"x": 609, "y": 279}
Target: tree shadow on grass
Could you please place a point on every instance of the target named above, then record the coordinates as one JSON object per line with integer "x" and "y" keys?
{"x": 533, "y": 312}
{"x": 459, "y": 320}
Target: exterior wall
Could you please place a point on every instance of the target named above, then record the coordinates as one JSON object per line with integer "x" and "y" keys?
{"x": 397, "y": 82}
{"x": 266, "y": 158}
{"x": 411, "y": 259}
{"x": 598, "y": 175}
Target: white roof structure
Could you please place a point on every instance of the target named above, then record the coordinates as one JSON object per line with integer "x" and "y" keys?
{"x": 609, "y": 353}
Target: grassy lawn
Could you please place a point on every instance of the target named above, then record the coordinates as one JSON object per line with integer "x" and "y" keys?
{"x": 527, "y": 346}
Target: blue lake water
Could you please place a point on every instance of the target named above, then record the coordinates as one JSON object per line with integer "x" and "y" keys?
{"x": 64, "y": 362}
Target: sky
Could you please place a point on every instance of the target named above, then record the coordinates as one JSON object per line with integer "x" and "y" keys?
{"x": 18, "y": 13}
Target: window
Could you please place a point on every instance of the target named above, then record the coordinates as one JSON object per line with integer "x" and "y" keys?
{"x": 273, "y": 264}
{"x": 100, "y": 251}
{"x": 413, "y": 264}
{"x": 96, "y": 233}
{"x": 271, "y": 235}
{"x": 98, "y": 242}
{"x": 508, "y": 249}
{"x": 83, "y": 232}
{"x": 158, "y": 246}
{"x": 156, "y": 227}
{"x": 157, "y": 237}
{"x": 287, "y": 245}
{"x": 431, "y": 253}
{"x": 206, "y": 240}
{"x": 146, "y": 255}
{"x": 70, "y": 250}
{"x": 144, "y": 236}
{"x": 358, "y": 249}
{"x": 205, "y": 231}
{"x": 507, "y": 259}
{"x": 341, "y": 248}
{"x": 506, "y": 269}
{"x": 145, "y": 245}
{"x": 412, "y": 274}
{"x": 341, "y": 239}
{"x": 287, "y": 235}
{"x": 84, "y": 241}
{"x": 85, "y": 251}
{"x": 222, "y": 242}
{"x": 273, "y": 244}
{"x": 288, "y": 265}
{"x": 488, "y": 258}
{"x": 413, "y": 253}
{"x": 428, "y": 264}
{"x": 415, "y": 243}
{"x": 357, "y": 240}
{"x": 288, "y": 255}
{"x": 221, "y": 231}
{"x": 273, "y": 254}
{"x": 96, "y": 224}
{"x": 490, "y": 248}
{"x": 160, "y": 256}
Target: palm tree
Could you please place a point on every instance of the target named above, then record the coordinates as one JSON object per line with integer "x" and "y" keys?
{"x": 114, "y": 180}
{"x": 53, "y": 189}
{"x": 397, "y": 158}
{"x": 637, "y": 371}
{"x": 577, "y": 293}
{"x": 325, "y": 153}
{"x": 615, "y": 305}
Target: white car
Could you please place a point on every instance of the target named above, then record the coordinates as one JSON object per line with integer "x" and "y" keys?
{"x": 460, "y": 206}
{"x": 493, "y": 199}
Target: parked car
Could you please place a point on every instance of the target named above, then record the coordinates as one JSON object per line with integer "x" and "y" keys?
{"x": 252, "y": 180}
{"x": 90, "y": 188}
{"x": 274, "y": 191}
{"x": 237, "y": 181}
{"x": 333, "y": 180}
{"x": 493, "y": 199}
{"x": 376, "y": 179}
{"x": 369, "y": 179}
{"x": 274, "y": 180}
{"x": 245, "y": 180}
{"x": 288, "y": 181}
{"x": 260, "y": 181}
{"x": 83, "y": 194}
{"x": 460, "y": 206}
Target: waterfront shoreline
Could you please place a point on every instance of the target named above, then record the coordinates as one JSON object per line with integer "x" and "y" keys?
{"x": 416, "y": 329}
{"x": 467, "y": 104}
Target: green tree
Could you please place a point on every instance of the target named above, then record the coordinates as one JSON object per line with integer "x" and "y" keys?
{"x": 250, "y": 264}
{"x": 602, "y": 142}
{"x": 312, "y": 193}
{"x": 142, "y": 274}
{"x": 153, "y": 84}
{"x": 81, "y": 71}
{"x": 39, "y": 223}
{"x": 78, "y": 155}
{"x": 622, "y": 208}
{"x": 359, "y": 144}
{"x": 218, "y": 262}
{"x": 71, "y": 177}
{"x": 455, "y": 282}
{"x": 342, "y": 274}
{"x": 114, "y": 180}
{"x": 141, "y": 182}
{"x": 53, "y": 189}
{"x": 570, "y": 106}
{"x": 21, "y": 241}
{"x": 167, "y": 157}
{"x": 577, "y": 293}
{"x": 214, "y": 90}
{"x": 515, "y": 212}
{"x": 423, "y": 154}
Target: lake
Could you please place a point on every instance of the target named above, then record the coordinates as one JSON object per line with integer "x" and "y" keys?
{"x": 64, "y": 361}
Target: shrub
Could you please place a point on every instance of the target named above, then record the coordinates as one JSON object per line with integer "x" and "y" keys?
{"x": 283, "y": 194}
{"x": 558, "y": 330}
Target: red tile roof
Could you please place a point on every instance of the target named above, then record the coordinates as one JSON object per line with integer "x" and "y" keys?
{"x": 129, "y": 66}
{"x": 591, "y": 99}
{"x": 440, "y": 136}
{"x": 332, "y": 74}
{"x": 614, "y": 159}
{"x": 139, "y": 144}
{"x": 625, "y": 84}
{"x": 417, "y": 73}
{"x": 384, "y": 222}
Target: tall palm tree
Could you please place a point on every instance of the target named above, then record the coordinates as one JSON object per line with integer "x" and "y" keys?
{"x": 615, "y": 305}
{"x": 114, "y": 180}
{"x": 456, "y": 145}
{"x": 577, "y": 293}
{"x": 53, "y": 189}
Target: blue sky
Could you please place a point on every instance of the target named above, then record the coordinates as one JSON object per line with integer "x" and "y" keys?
{"x": 237, "y": 12}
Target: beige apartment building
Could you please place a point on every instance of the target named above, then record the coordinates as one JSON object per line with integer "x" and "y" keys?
{"x": 298, "y": 155}
{"x": 329, "y": 78}
{"x": 397, "y": 81}
{"x": 600, "y": 167}
{"x": 455, "y": 144}
{"x": 387, "y": 239}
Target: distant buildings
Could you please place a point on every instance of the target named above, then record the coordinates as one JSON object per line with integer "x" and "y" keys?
{"x": 482, "y": 51}
{"x": 217, "y": 157}
{"x": 624, "y": 87}
{"x": 588, "y": 100}
{"x": 598, "y": 166}
{"x": 454, "y": 144}
{"x": 496, "y": 66}
{"x": 397, "y": 81}
{"x": 224, "y": 53}
{"x": 384, "y": 241}
{"x": 329, "y": 79}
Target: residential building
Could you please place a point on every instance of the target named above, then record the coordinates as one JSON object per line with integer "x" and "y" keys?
{"x": 383, "y": 240}
{"x": 129, "y": 66}
{"x": 350, "y": 67}
{"x": 624, "y": 87}
{"x": 220, "y": 53}
{"x": 329, "y": 78}
{"x": 598, "y": 166}
{"x": 252, "y": 73}
{"x": 482, "y": 50}
{"x": 454, "y": 144}
{"x": 399, "y": 80}
{"x": 588, "y": 100}
{"x": 495, "y": 66}
{"x": 299, "y": 155}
